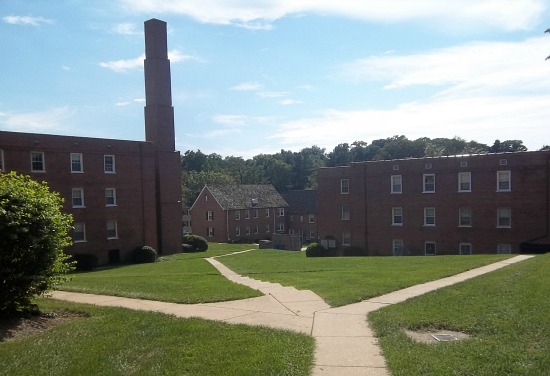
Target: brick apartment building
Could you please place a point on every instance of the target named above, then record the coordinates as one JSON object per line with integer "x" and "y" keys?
{"x": 121, "y": 194}
{"x": 302, "y": 214}
{"x": 238, "y": 213}
{"x": 493, "y": 203}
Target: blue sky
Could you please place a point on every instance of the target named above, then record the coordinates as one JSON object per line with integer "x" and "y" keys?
{"x": 251, "y": 76}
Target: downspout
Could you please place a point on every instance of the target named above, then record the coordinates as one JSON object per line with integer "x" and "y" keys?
{"x": 366, "y": 210}
{"x": 227, "y": 225}
{"x": 142, "y": 195}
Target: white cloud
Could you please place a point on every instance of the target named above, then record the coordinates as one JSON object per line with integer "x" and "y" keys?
{"x": 126, "y": 28}
{"x": 247, "y": 86}
{"x": 53, "y": 119}
{"x": 288, "y": 102}
{"x": 27, "y": 20}
{"x": 271, "y": 94}
{"x": 463, "y": 14}
{"x": 175, "y": 56}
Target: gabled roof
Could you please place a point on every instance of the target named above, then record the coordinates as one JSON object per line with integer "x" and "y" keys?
{"x": 304, "y": 201}
{"x": 232, "y": 197}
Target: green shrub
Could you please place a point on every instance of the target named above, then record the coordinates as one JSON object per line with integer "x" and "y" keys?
{"x": 316, "y": 250}
{"x": 33, "y": 234}
{"x": 198, "y": 243}
{"x": 85, "y": 261}
{"x": 144, "y": 255}
{"x": 353, "y": 251}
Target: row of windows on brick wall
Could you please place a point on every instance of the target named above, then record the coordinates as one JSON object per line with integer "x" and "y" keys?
{"x": 79, "y": 231}
{"x": 504, "y": 217}
{"x": 504, "y": 183}
{"x": 77, "y": 197}
{"x": 399, "y": 249}
{"x": 247, "y": 229}
{"x": 280, "y": 213}
{"x": 76, "y": 162}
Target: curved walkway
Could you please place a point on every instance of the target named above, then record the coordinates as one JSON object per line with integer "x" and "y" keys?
{"x": 345, "y": 344}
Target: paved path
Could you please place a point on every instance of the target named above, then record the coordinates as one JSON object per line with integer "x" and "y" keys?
{"x": 345, "y": 344}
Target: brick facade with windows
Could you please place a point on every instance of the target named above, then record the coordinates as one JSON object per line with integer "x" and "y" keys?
{"x": 121, "y": 194}
{"x": 471, "y": 204}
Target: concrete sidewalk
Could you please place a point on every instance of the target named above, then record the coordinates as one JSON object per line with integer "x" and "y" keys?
{"x": 345, "y": 344}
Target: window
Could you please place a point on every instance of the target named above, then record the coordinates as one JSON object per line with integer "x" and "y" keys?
{"x": 255, "y": 229}
{"x": 267, "y": 213}
{"x": 346, "y": 238}
{"x": 247, "y": 214}
{"x": 504, "y": 217}
{"x": 429, "y": 183}
{"x": 210, "y": 215}
{"x": 465, "y": 248}
{"x": 503, "y": 162}
{"x": 464, "y": 182}
{"x": 78, "y": 197}
{"x": 247, "y": 230}
{"x": 110, "y": 197}
{"x": 396, "y": 184}
{"x": 429, "y": 248}
{"x": 504, "y": 248}
{"x": 79, "y": 232}
{"x": 281, "y": 212}
{"x": 76, "y": 162}
{"x": 395, "y": 167}
{"x": 291, "y": 231}
{"x": 344, "y": 186}
{"x": 345, "y": 213}
{"x": 465, "y": 217}
{"x": 255, "y": 213}
{"x": 210, "y": 232}
{"x": 237, "y": 231}
{"x": 109, "y": 164}
{"x": 397, "y": 247}
{"x": 37, "y": 161}
{"x": 1, "y": 160}
{"x": 312, "y": 234}
{"x": 429, "y": 216}
{"x": 267, "y": 229}
{"x": 281, "y": 227}
{"x": 237, "y": 215}
{"x": 397, "y": 217}
{"x": 112, "y": 229}
{"x": 312, "y": 218}
{"x": 464, "y": 164}
{"x": 428, "y": 166}
{"x": 504, "y": 181}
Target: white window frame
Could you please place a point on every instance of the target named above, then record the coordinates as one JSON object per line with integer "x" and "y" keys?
{"x": 429, "y": 244}
{"x": 504, "y": 181}
{"x": 427, "y": 216}
{"x": 396, "y": 184}
{"x": 504, "y": 249}
{"x": 2, "y": 166}
{"x": 346, "y": 213}
{"x": 311, "y": 218}
{"x": 346, "y": 238}
{"x": 427, "y": 185}
{"x": 209, "y": 215}
{"x": 464, "y": 213}
{"x": 238, "y": 231}
{"x": 281, "y": 227}
{"x": 78, "y": 194}
{"x": 247, "y": 214}
{"x": 267, "y": 228}
{"x": 112, "y": 164}
{"x": 77, "y": 163}
{"x": 210, "y": 232}
{"x": 397, "y": 216}
{"x": 267, "y": 213}
{"x": 311, "y": 234}
{"x": 504, "y": 217}
{"x": 344, "y": 186}
{"x": 255, "y": 213}
{"x": 398, "y": 246}
{"x": 82, "y": 227}
{"x": 247, "y": 230}
{"x": 464, "y": 181}
{"x": 463, "y": 246}
{"x": 237, "y": 215}
{"x": 281, "y": 212}
{"x": 110, "y": 197}
{"x": 112, "y": 229}
{"x": 256, "y": 230}
{"x": 42, "y": 161}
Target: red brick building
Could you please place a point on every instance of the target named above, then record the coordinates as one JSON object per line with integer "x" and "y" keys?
{"x": 238, "y": 213}
{"x": 493, "y": 203}
{"x": 302, "y": 214}
{"x": 121, "y": 194}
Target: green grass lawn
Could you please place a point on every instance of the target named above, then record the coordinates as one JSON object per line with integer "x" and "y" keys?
{"x": 180, "y": 278}
{"x": 115, "y": 341}
{"x": 344, "y": 280}
{"x": 506, "y": 312}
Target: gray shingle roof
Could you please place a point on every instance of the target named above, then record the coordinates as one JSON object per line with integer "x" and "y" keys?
{"x": 304, "y": 201}
{"x": 232, "y": 197}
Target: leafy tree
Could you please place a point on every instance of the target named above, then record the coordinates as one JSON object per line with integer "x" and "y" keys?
{"x": 193, "y": 182}
{"x": 340, "y": 156}
{"x": 507, "y": 146}
{"x": 33, "y": 234}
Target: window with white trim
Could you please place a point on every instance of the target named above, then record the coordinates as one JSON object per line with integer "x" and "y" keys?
{"x": 504, "y": 249}
{"x": 312, "y": 234}
{"x": 504, "y": 217}
{"x": 237, "y": 231}
{"x": 79, "y": 232}
{"x": 77, "y": 197}
{"x": 428, "y": 183}
{"x": 247, "y": 214}
{"x": 429, "y": 248}
{"x": 344, "y": 186}
{"x": 267, "y": 228}
{"x": 38, "y": 163}
{"x": 397, "y": 247}
{"x": 464, "y": 182}
{"x": 396, "y": 184}
{"x": 110, "y": 196}
{"x": 281, "y": 227}
{"x": 77, "y": 164}
{"x": 345, "y": 212}
{"x": 397, "y": 217}
{"x": 247, "y": 230}
{"x": 429, "y": 216}
{"x": 311, "y": 218}
{"x": 504, "y": 181}
{"x": 237, "y": 215}
{"x": 346, "y": 238}
{"x": 281, "y": 212}
{"x": 267, "y": 213}
{"x": 210, "y": 232}
{"x": 465, "y": 217}
{"x": 210, "y": 215}
{"x": 256, "y": 229}
{"x": 255, "y": 213}
{"x": 112, "y": 231}
{"x": 465, "y": 248}
{"x": 109, "y": 164}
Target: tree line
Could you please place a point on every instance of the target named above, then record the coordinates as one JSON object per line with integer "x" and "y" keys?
{"x": 288, "y": 170}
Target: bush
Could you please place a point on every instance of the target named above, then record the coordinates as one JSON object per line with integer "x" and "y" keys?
{"x": 144, "y": 255}
{"x": 353, "y": 251}
{"x": 316, "y": 250}
{"x": 85, "y": 261}
{"x": 33, "y": 234}
{"x": 198, "y": 243}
